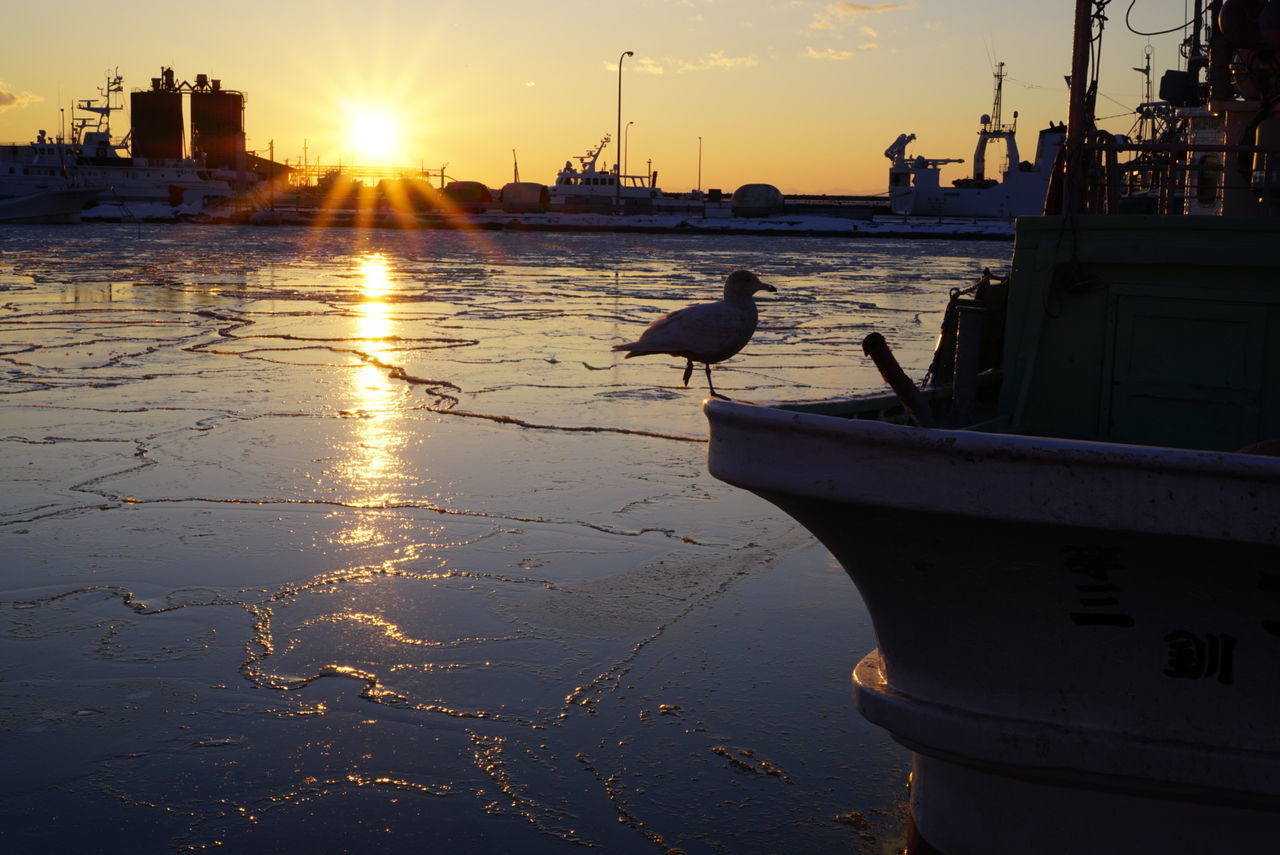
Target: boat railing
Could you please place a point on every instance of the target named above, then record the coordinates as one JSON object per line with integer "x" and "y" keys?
{"x": 1177, "y": 178}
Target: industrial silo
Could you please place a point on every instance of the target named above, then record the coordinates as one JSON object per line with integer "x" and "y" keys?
{"x": 156, "y": 117}
{"x": 217, "y": 125}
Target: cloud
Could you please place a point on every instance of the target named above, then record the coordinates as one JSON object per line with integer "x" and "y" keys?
{"x": 14, "y": 100}
{"x": 837, "y": 12}
{"x": 829, "y": 53}
{"x": 706, "y": 62}
{"x": 715, "y": 60}
{"x": 844, "y": 9}
{"x": 868, "y": 32}
{"x": 643, "y": 65}
{"x": 838, "y": 55}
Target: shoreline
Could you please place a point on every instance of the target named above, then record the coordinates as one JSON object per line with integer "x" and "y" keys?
{"x": 801, "y": 225}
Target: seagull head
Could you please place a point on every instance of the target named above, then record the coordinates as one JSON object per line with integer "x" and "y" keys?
{"x": 744, "y": 283}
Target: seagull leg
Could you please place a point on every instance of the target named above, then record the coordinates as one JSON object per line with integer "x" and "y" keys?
{"x": 714, "y": 393}
{"x": 688, "y": 372}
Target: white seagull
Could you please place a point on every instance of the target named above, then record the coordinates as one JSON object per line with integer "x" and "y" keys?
{"x": 707, "y": 332}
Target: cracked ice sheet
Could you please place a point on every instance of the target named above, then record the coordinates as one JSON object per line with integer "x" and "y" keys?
{"x": 491, "y": 653}
{"x": 358, "y": 539}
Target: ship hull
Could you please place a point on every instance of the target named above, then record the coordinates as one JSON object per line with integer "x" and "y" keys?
{"x": 47, "y": 206}
{"x": 1087, "y": 618}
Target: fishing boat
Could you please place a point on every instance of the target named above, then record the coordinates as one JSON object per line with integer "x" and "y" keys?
{"x": 587, "y": 187}
{"x": 915, "y": 183}
{"x": 1068, "y": 536}
{"x": 149, "y": 166}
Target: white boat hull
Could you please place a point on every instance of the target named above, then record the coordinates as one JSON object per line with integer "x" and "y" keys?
{"x": 1087, "y": 617}
{"x": 47, "y": 206}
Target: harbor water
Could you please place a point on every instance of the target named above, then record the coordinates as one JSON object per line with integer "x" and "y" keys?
{"x": 364, "y": 541}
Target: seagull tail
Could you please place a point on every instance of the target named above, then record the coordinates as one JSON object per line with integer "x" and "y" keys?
{"x": 633, "y": 349}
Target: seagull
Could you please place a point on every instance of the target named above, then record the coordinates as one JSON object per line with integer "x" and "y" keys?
{"x": 707, "y": 332}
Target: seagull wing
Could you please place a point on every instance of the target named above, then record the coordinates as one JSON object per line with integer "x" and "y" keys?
{"x": 708, "y": 332}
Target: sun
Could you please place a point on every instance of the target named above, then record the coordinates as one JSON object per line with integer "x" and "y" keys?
{"x": 373, "y": 136}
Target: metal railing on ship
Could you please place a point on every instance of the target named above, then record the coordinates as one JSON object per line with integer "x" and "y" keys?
{"x": 1123, "y": 177}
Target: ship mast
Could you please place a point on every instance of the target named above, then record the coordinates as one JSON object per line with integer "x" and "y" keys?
{"x": 993, "y": 128}
{"x": 79, "y": 124}
{"x": 1000, "y": 75}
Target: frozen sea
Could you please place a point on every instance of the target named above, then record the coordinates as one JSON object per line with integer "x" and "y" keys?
{"x": 364, "y": 541}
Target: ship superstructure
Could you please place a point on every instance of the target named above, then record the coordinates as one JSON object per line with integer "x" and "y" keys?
{"x": 915, "y": 184}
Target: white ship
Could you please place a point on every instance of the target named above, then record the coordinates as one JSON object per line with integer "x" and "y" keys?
{"x": 915, "y": 187}
{"x": 589, "y": 188}
{"x": 149, "y": 166}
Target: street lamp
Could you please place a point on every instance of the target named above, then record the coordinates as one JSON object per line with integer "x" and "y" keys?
{"x": 699, "y": 164}
{"x": 617, "y": 197}
{"x": 626, "y": 145}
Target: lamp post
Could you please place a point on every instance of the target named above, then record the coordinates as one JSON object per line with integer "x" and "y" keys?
{"x": 617, "y": 193}
{"x": 699, "y": 165}
{"x": 626, "y": 145}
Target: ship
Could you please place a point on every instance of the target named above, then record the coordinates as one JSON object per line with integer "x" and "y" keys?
{"x": 588, "y": 188}
{"x": 1068, "y": 535}
{"x": 149, "y": 168}
{"x": 915, "y": 183}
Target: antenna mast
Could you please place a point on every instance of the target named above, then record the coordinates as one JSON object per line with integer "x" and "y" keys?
{"x": 1000, "y": 74}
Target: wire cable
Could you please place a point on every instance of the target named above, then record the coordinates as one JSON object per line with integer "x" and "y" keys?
{"x": 1157, "y": 32}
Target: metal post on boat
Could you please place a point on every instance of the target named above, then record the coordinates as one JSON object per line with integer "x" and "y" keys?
{"x": 1221, "y": 85}
{"x": 964, "y": 379}
{"x": 913, "y": 402}
{"x": 1077, "y": 119}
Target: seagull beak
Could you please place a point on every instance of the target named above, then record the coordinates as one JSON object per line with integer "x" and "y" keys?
{"x": 768, "y": 287}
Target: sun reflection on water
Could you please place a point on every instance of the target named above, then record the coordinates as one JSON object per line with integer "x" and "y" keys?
{"x": 375, "y": 464}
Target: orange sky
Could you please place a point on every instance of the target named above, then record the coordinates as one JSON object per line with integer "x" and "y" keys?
{"x": 803, "y": 95}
